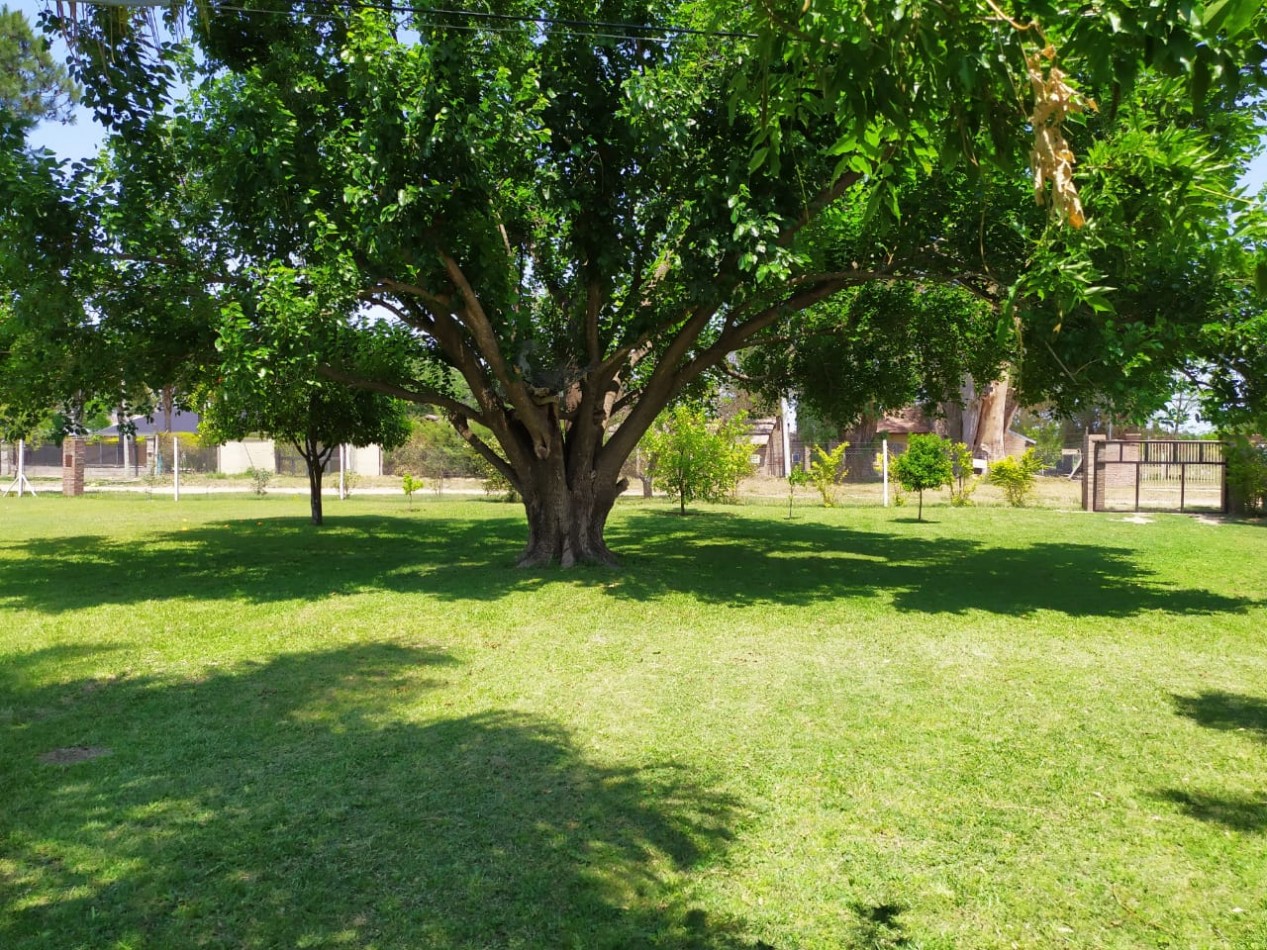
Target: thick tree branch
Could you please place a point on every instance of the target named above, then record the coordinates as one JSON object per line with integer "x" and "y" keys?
{"x": 429, "y": 397}
{"x": 481, "y": 329}
{"x": 593, "y": 306}
{"x": 737, "y": 337}
{"x": 436, "y": 319}
{"x": 437, "y": 303}
{"x": 817, "y": 205}
{"x": 658, "y": 390}
{"x": 401, "y": 312}
{"x": 460, "y": 423}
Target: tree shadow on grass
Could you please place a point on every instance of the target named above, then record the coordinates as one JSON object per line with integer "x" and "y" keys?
{"x": 284, "y": 804}
{"x": 877, "y": 926}
{"x": 719, "y": 559}
{"x": 741, "y": 561}
{"x": 1239, "y": 813}
{"x": 1226, "y": 712}
{"x": 1216, "y": 709}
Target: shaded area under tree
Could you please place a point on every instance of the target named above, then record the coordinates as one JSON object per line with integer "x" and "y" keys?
{"x": 716, "y": 558}
{"x": 280, "y": 804}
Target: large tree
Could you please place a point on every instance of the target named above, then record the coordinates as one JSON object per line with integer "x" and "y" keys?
{"x": 582, "y": 208}
{"x": 33, "y": 85}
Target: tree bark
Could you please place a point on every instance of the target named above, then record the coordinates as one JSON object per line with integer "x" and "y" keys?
{"x": 567, "y": 518}
{"x": 994, "y": 419}
{"x": 314, "y": 489}
{"x": 315, "y": 458}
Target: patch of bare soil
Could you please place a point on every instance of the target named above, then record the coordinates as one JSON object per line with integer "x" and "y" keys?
{"x": 73, "y": 755}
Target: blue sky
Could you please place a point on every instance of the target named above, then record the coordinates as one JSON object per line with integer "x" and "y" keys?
{"x": 82, "y": 139}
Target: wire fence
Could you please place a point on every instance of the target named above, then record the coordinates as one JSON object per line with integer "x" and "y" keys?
{"x": 150, "y": 454}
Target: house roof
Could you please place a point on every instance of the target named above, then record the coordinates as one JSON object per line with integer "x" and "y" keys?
{"x": 182, "y": 423}
{"x": 910, "y": 421}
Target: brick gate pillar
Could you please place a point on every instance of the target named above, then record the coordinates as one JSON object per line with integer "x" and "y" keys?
{"x": 1089, "y": 443}
{"x": 73, "y": 465}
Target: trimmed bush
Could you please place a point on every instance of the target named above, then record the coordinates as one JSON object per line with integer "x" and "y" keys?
{"x": 1016, "y": 476}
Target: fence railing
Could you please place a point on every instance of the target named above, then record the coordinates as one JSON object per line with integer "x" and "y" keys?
{"x": 1160, "y": 475}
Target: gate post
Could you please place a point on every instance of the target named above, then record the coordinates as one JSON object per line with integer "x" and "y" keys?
{"x": 73, "y": 465}
{"x": 1089, "y": 443}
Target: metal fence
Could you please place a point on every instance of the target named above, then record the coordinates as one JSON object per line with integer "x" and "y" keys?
{"x": 152, "y": 454}
{"x": 1159, "y": 476}
{"x": 288, "y": 461}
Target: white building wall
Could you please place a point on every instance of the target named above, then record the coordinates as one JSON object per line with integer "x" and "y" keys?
{"x": 366, "y": 460}
{"x": 237, "y": 457}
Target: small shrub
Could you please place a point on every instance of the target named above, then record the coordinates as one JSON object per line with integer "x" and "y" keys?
{"x": 495, "y": 483}
{"x": 410, "y": 485}
{"x": 350, "y": 481}
{"x": 1016, "y": 476}
{"x": 1247, "y": 476}
{"x": 826, "y": 471}
{"x": 965, "y": 478}
{"x": 260, "y": 477}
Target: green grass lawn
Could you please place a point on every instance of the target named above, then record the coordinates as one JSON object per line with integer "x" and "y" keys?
{"x": 222, "y": 728}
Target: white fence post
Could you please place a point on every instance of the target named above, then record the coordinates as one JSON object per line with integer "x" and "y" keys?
{"x": 884, "y": 466}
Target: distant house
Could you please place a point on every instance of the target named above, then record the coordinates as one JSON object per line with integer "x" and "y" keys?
{"x": 983, "y": 422}
{"x": 766, "y": 436}
{"x": 231, "y": 458}
{"x": 902, "y": 425}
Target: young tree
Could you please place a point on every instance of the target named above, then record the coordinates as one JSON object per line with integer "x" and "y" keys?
{"x": 409, "y": 485}
{"x": 796, "y": 478}
{"x": 283, "y": 396}
{"x": 692, "y": 458}
{"x": 926, "y": 464}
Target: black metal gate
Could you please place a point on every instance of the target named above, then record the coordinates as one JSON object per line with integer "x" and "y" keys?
{"x": 1184, "y": 475}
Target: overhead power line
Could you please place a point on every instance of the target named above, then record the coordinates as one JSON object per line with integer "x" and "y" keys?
{"x": 613, "y": 29}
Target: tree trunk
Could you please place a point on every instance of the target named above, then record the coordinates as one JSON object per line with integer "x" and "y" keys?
{"x": 315, "y": 458}
{"x": 314, "y": 488}
{"x": 970, "y": 415}
{"x": 994, "y": 420}
{"x": 566, "y": 521}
